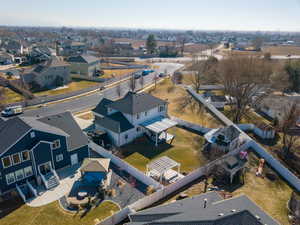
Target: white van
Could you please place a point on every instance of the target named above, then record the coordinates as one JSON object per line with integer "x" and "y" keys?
{"x": 12, "y": 111}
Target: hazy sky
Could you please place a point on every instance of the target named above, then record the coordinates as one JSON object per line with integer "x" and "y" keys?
{"x": 179, "y": 14}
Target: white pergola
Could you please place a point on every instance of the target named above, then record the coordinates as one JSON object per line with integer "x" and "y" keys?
{"x": 159, "y": 167}
{"x": 159, "y": 125}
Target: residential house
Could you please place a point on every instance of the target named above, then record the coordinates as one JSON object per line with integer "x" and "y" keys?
{"x": 41, "y": 53}
{"x": 6, "y": 58}
{"x": 84, "y": 65}
{"x": 132, "y": 116}
{"x": 32, "y": 149}
{"x": 205, "y": 209}
{"x": 224, "y": 139}
{"x": 52, "y": 73}
{"x": 71, "y": 48}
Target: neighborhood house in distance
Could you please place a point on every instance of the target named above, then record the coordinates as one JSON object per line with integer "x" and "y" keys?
{"x": 84, "y": 65}
{"x": 51, "y": 73}
{"x": 132, "y": 116}
{"x": 32, "y": 149}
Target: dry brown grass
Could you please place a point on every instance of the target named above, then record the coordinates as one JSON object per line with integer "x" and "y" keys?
{"x": 282, "y": 50}
{"x": 86, "y": 116}
{"x": 11, "y": 97}
{"x": 173, "y": 94}
{"x": 117, "y": 73}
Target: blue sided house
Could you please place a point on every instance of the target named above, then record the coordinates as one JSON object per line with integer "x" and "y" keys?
{"x": 32, "y": 149}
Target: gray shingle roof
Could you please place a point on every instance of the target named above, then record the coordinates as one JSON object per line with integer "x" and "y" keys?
{"x": 134, "y": 103}
{"x": 101, "y": 107}
{"x": 83, "y": 59}
{"x": 66, "y": 123}
{"x": 238, "y": 211}
{"x": 10, "y": 131}
{"x": 115, "y": 122}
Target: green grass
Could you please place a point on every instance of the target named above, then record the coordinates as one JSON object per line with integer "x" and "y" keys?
{"x": 52, "y": 214}
{"x": 11, "y": 97}
{"x": 75, "y": 85}
{"x": 185, "y": 149}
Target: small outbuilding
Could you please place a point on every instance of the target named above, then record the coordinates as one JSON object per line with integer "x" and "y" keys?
{"x": 95, "y": 170}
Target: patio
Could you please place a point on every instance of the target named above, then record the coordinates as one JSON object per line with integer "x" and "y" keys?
{"x": 67, "y": 178}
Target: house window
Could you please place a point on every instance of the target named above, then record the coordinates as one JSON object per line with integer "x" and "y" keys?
{"x": 56, "y": 144}
{"x": 10, "y": 178}
{"x": 28, "y": 171}
{"x": 138, "y": 129}
{"x": 19, "y": 174}
{"x": 25, "y": 156}
{"x": 126, "y": 136}
{"x": 32, "y": 134}
{"x": 146, "y": 113}
{"x": 161, "y": 108}
{"x": 6, "y": 162}
{"x": 59, "y": 157}
{"x": 137, "y": 116}
{"x": 16, "y": 158}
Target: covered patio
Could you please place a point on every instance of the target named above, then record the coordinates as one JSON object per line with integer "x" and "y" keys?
{"x": 157, "y": 128}
{"x": 162, "y": 170}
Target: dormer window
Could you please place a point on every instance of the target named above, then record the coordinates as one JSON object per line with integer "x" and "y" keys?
{"x": 138, "y": 116}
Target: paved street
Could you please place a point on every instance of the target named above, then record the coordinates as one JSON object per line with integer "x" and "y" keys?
{"x": 90, "y": 101}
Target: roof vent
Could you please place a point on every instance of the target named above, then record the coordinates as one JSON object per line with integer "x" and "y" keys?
{"x": 221, "y": 214}
{"x": 257, "y": 217}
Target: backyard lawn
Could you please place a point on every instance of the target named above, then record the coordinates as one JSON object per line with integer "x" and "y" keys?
{"x": 75, "y": 85}
{"x": 52, "y": 214}
{"x": 185, "y": 149}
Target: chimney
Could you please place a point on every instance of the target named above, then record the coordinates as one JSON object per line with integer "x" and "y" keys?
{"x": 205, "y": 203}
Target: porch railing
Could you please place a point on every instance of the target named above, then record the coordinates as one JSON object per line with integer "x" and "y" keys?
{"x": 21, "y": 193}
{"x": 32, "y": 189}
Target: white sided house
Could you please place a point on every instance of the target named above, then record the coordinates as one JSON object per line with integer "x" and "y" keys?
{"x": 133, "y": 116}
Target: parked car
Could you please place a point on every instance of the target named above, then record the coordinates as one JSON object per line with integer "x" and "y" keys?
{"x": 162, "y": 75}
{"x": 12, "y": 111}
{"x": 146, "y": 72}
{"x": 137, "y": 76}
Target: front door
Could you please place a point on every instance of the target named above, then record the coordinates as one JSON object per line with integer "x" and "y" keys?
{"x": 74, "y": 159}
{"x": 45, "y": 168}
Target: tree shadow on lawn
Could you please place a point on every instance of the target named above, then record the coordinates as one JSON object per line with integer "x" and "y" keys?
{"x": 145, "y": 147}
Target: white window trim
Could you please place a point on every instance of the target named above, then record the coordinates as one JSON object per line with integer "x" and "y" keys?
{"x": 59, "y": 145}
{"x": 20, "y": 178}
{"x": 12, "y": 157}
{"x": 32, "y": 134}
{"x": 8, "y": 183}
{"x": 11, "y": 163}
{"x": 22, "y": 155}
{"x": 60, "y": 159}
{"x": 25, "y": 172}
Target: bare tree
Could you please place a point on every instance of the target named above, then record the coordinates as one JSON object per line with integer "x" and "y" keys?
{"x": 203, "y": 71}
{"x": 246, "y": 80}
{"x": 257, "y": 43}
{"x": 132, "y": 83}
{"x": 118, "y": 90}
{"x": 142, "y": 81}
{"x": 154, "y": 79}
{"x": 288, "y": 121}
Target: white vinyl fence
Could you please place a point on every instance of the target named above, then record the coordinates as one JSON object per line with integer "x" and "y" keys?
{"x": 167, "y": 190}
{"x": 125, "y": 166}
